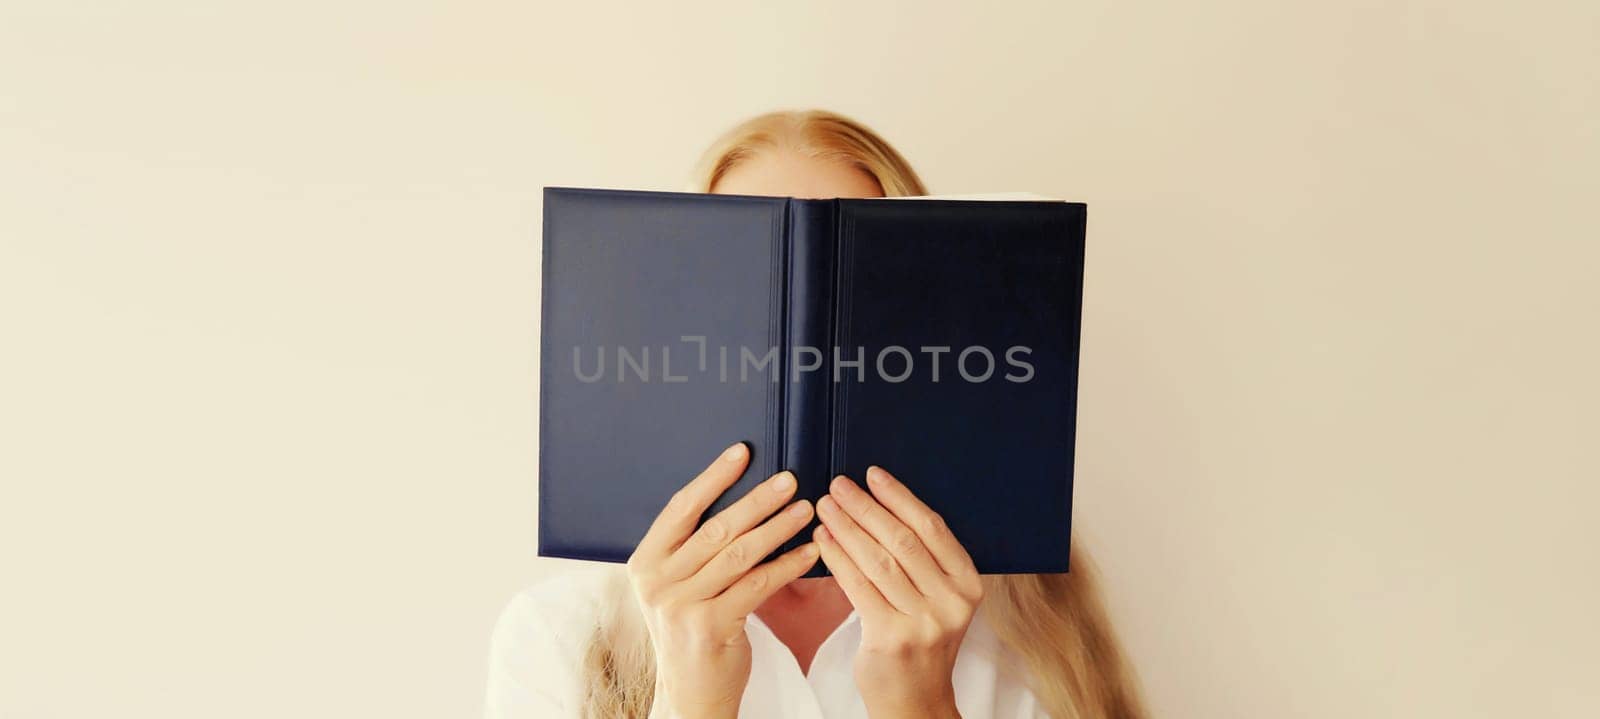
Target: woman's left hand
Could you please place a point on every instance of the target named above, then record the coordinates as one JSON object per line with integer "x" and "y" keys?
{"x": 913, "y": 585}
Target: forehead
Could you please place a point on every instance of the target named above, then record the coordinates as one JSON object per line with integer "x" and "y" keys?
{"x": 786, "y": 173}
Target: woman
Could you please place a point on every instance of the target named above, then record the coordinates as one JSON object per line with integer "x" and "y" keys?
{"x": 905, "y": 627}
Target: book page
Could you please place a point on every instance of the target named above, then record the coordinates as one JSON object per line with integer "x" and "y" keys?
{"x": 987, "y": 197}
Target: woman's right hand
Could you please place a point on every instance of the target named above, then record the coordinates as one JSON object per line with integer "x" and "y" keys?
{"x": 697, "y": 586}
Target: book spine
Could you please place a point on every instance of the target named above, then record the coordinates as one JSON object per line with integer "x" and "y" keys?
{"x": 808, "y": 346}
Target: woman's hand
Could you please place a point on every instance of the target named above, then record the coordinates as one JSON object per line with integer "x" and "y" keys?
{"x": 913, "y": 585}
{"x": 697, "y": 586}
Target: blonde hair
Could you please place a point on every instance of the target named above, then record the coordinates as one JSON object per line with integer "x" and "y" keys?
{"x": 1054, "y": 625}
{"x": 814, "y": 133}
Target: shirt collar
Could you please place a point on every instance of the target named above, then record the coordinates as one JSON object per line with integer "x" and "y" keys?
{"x": 848, "y": 630}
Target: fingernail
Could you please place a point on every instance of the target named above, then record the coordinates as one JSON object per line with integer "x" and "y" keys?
{"x": 810, "y": 550}
{"x": 876, "y": 476}
{"x": 800, "y": 508}
{"x": 825, "y": 505}
{"x": 782, "y": 482}
{"x": 734, "y": 453}
{"x": 822, "y": 534}
{"x": 843, "y": 485}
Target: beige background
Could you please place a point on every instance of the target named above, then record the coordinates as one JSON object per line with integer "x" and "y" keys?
{"x": 268, "y": 326}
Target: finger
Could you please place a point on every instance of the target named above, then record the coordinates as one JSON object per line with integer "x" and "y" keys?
{"x": 893, "y": 535}
{"x": 683, "y": 511}
{"x": 748, "y": 549}
{"x": 875, "y": 562}
{"x": 857, "y": 588}
{"x": 719, "y": 531}
{"x": 762, "y": 582}
{"x": 936, "y": 536}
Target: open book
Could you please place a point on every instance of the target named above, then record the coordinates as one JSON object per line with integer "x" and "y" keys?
{"x": 937, "y": 338}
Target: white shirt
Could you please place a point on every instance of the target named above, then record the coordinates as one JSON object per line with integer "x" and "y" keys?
{"x": 536, "y": 654}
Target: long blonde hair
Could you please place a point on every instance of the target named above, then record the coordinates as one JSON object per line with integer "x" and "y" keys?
{"x": 1054, "y": 625}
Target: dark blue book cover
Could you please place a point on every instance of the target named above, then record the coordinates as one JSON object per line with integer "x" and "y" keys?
{"x": 935, "y": 338}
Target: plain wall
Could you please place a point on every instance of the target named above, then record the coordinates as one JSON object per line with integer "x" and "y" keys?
{"x": 268, "y": 326}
